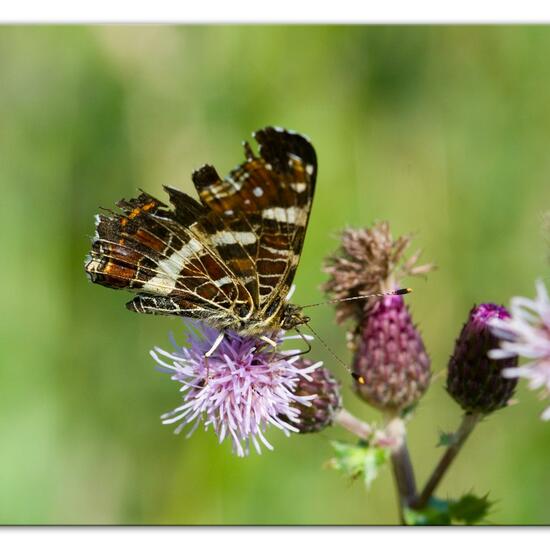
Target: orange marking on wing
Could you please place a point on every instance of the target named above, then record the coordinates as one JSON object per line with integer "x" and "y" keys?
{"x": 119, "y": 271}
{"x": 134, "y": 213}
{"x": 149, "y": 240}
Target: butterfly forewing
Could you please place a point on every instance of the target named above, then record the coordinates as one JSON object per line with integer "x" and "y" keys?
{"x": 266, "y": 201}
{"x": 230, "y": 260}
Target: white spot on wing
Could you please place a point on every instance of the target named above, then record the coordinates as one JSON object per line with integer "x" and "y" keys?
{"x": 299, "y": 187}
{"x": 258, "y": 191}
{"x": 292, "y": 214}
{"x": 236, "y": 184}
{"x": 279, "y": 251}
{"x": 233, "y": 237}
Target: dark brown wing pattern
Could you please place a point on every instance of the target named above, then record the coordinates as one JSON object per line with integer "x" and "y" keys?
{"x": 161, "y": 254}
{"x": 267, "y": 199}
{"x": 229, "y": 260}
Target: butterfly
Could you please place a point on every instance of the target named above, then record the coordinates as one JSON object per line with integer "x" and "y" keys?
{"x": 228, "y": 259}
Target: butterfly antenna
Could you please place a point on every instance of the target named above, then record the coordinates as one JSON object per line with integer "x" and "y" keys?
{"x": 360, "y": 379}
{"x": 397, "y": 292}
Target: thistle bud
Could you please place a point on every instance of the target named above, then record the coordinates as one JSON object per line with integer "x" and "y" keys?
{"x": 391, "y": 367}
{"x": 317, "y": 414}
{"x": 474, "y": 380}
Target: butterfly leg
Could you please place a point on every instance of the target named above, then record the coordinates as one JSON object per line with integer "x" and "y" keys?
{"x": 271, "y": 342}
{"x": 305, "y": 340}
{"x": 210, "y": 352}
{"x": 268, "y": 341}
{"x": 302, "y": 336}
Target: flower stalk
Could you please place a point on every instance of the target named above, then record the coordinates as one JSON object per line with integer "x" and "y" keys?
{"x": 353, "y": 425}
{"x": 469, "y": 422}
{"x": 403, "y": 472}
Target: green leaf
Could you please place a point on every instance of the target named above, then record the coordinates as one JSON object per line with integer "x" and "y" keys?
{"x": 349, "y": 458}
{"x": 446, "y": 439}
{"x": 436, "y": 512}
{"x": 470, "y": 509}
{"x": 467, "y": 510}
{"x": 375, "y": 458}
{"x": 359, "y": 460}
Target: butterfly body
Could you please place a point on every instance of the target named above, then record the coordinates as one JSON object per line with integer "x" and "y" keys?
{"x": 229, "y": 259}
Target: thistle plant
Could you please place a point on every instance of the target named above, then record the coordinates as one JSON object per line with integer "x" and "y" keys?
{"x": 475, "y": 376}
{"x": 391, "y": 366}
{"x": 526, "y": 333}
{"x": 250, "y": 384}
{"x": 324, "y": 399}
{"x": 241, "y": 389}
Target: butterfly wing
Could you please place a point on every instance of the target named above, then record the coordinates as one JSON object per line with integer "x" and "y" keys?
{"x": 228, "y": 260}
{"x": 265, "y": 203}
{"x": 165, "y": 255}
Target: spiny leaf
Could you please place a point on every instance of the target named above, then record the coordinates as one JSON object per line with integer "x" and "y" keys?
{"x": 470, "y": 509}
{"x": 436, "y": 512}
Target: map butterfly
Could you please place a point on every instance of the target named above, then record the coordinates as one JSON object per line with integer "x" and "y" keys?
{"x": 228, "y": 260}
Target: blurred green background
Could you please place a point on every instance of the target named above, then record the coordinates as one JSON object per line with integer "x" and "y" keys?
{"x": 444, "y": 131}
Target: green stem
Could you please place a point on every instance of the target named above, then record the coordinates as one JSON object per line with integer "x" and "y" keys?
{"x": 469, "y": 422}
{"x": 403, "y": 472}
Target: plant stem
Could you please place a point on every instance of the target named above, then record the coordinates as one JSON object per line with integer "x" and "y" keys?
{"x": 352, "y": 424}
{"x": 403, "y": 472}
{"x": 469, "y": 422}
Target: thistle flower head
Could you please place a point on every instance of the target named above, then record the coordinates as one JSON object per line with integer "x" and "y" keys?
{"x": 474, "y": 380}
{"x": 242, "y": 388}
{"x": 318, "y": 413}
{"x": 368, "y": 261}
{"x": 527, "y": 334}
{"x": 391, "y": 366}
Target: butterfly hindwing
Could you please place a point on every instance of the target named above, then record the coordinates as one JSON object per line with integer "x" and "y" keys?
{"x": 150, "y": 250}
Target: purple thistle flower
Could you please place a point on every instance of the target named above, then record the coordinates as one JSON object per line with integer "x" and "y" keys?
{"x": 317, "y": 414}
{"x": 250, "y": 385}
{"x": 391, "y": 366}
{"x": 527, "y": 334}
{"x": 474, "y": 380}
